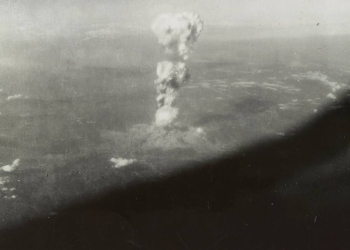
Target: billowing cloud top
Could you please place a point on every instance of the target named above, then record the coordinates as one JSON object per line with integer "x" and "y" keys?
{"x": 177, "y": 32}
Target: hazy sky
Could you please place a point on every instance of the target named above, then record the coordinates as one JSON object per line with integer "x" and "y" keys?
{"x": 58, "y": 15}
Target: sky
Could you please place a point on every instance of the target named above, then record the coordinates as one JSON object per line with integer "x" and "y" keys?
{"x": 55, "y": 16}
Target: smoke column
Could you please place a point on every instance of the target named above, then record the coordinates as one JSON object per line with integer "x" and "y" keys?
{"x": 177, "y": 33}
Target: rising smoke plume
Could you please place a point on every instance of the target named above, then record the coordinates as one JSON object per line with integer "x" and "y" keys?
{"x": 177, "y": 33}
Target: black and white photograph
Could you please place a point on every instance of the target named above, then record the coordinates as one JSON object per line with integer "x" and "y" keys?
{"x": 174, "y": 124}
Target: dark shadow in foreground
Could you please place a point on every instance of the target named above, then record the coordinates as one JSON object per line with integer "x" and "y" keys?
{"x": 240, "y": 201}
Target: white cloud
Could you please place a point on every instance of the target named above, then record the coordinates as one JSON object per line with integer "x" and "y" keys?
{"x": 318, "y": 76}
{"x": 13, "y": 97}
{"x": 243, "y": 84}
{"x": 121, "y": 162}
{"x": 4, "y": 180}
{"x": 200, "y": 130}
{"x": 12, "y": 167}
{"x": 331, "y": 96}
